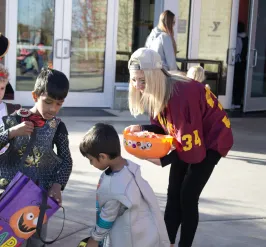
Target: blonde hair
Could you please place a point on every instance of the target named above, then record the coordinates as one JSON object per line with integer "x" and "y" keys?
{"x": 196, "y": 73}
{"x": 158, "y": 90}
{"x": 166, "y": 24}
{"x": 4, "y": 74}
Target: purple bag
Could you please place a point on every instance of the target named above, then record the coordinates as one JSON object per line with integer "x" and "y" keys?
{"x": 24, "y": 207}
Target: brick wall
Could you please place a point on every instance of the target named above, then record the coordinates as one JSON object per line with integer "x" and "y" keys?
{"x": 2, "y": 15}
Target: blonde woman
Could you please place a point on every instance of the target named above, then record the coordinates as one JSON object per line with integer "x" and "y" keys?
{"x": 197, "y": 73}
{"x": 162, "y": 40}
{"x": 184, "y": 109}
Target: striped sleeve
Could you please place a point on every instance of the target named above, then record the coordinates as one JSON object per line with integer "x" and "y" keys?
{"x": 105, "y": 219}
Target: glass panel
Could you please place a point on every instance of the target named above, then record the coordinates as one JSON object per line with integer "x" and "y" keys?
{"x": 135, "y": 22}
{"x": 183, "y": 28}
{"x": 34, "y": 40}
{"x": 258, "y": 88}
{"x": 215, "y": 26}
{"x": 88, "y": 45}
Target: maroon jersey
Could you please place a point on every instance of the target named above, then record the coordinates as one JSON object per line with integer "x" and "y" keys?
{"x": 197, "y": 120}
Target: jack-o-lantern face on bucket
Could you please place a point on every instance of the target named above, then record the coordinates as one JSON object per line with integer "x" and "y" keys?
{"x": 24, "y": 221}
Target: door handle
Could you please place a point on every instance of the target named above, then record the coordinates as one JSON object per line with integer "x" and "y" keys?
{"x": 67, "y": 48}
{"x": 63, "y": 48}
{"x": 255, "y": 58}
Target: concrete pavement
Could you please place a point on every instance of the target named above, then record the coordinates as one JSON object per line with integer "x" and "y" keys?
{"x": 232, "y": 206}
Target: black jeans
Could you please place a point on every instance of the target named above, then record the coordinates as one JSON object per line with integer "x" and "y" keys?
{"x": 186, "y": 183}
{"x": 239, "y": 83}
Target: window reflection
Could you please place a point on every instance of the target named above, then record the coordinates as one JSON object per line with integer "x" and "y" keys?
{"x": 34, "y": 40}
{"x": 88, "y": 45}
{"x": 183, "y": 28}
{"x": 258, "y": 88}
{"x": 135, "y": 22}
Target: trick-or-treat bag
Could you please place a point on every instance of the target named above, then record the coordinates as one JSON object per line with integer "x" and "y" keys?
{"x": 21, "y": 204}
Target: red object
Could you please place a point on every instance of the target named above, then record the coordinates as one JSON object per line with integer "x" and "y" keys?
{"x": 37, "y": 120}
{"x": 3, "y": 75}
{"x": 243, "y": 12}
{"x": 196, "y": 119}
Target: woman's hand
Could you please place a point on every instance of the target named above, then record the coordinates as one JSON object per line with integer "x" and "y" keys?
{"x": 155, "y": 161}
{"x": 133, "y": 128}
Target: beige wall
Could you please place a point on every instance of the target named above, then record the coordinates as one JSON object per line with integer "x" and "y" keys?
{"x": 215, "y": 29}
{"x": 182, "y": 34}
{"x": 2, "y": 15}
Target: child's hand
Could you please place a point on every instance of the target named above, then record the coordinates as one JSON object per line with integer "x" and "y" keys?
{"x": 22, "y": 129}
{"x": 55, "y": 192}
{"x": 92, "y": 243}
{"x": 133, "y": 128}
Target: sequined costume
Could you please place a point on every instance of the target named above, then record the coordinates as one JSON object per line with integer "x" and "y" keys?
{"x": 42, "y": 165}
{"x": 128, "y": 213}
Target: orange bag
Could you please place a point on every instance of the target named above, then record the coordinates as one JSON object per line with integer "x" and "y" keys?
{"x": 147, "y": 145}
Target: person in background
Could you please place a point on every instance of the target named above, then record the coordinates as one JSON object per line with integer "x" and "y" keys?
{"x": 240, "y": 66}
{"x": 161, "y": 40}
{"x": 197, "y": 73}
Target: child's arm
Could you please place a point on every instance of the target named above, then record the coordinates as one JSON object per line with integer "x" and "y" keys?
{"x": 4, "y": 140}
{"x": 22, "y": 129}
{"x": 109, "y": 212}
{"x": 62, "y": 143}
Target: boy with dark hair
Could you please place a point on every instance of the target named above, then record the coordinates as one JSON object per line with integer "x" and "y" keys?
{"x": 4, "y": 45}
{"x": 32, "y": 135}
{"x": 128, "y": 213}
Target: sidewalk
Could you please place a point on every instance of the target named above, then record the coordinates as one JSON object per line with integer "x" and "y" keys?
{"x": 232, "y": 206}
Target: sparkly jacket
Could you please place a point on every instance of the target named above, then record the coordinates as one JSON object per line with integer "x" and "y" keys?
{"x": 42, "y": 165}
{"x": 128, "y": 213}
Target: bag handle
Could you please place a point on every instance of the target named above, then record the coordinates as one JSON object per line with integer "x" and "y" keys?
{"x": 43, "y": 209}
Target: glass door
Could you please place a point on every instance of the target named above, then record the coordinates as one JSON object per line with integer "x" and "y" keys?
{"x": 67, "y": 35}
{"x": 84, "y": 53}
{"x": 213, "y": 32}
{"x": 255, "y": 91}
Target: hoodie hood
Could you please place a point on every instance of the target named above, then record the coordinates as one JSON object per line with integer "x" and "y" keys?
{"x": 155, "y": 32}
{"x": 162, "y": 43}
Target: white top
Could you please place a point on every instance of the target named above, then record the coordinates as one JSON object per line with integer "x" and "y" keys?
{"x": 3, "y": 112}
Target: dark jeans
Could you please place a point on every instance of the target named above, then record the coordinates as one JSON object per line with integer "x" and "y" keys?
{"x": 239, "y": 83}
{"x": 186, "y": 183}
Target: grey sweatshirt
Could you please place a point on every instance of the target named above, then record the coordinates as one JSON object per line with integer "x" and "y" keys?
{"x": 128, "y": 213}
{"x": 161, "y": 42}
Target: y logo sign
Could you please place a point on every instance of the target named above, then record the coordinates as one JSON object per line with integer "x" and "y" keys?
{"x": 216, "y": 25}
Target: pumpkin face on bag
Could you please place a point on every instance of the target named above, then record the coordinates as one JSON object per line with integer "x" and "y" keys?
{"x": 24, "y": 222}
{"x": 147, "y": 145}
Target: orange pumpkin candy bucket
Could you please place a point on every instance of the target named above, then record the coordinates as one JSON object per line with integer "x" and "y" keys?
{"x": 147, "y": 145}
